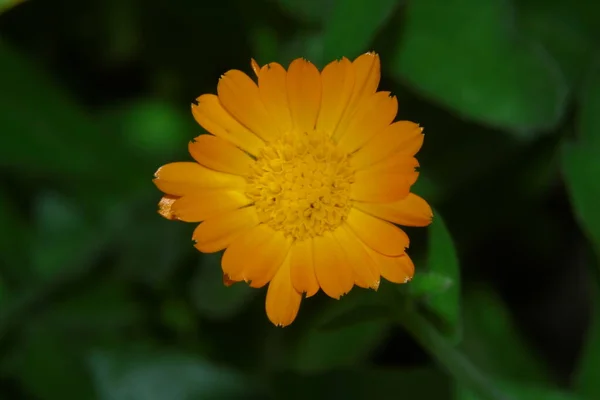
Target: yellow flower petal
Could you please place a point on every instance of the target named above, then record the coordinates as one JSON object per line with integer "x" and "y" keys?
{"x": 366, "y": 273}
{"x": 165, "y": 206}
{"x": 395, "y": 269}
{"x": 367, "y": 71}
{"x": 338, "y": 82}
{"x": 410, "y": 211}
{"x": 241, "y": 98}
{"x": 304, "y": 94}
{"x": 255, "y": 67}
{"x": 397, "y": 164}
{"x": 335, "y": 276}
{"x": 198, "y": 207}
{"x": 219, "y": 154}
{"x": 211, "y": 115}
{"x": 402, "y": 137}
{"x": 379, "y": 235}
{"x": 375, "y": 114}
{"x": 300, "y": 180}
{"x": 228, "y": 281}
{"x": 256, "y": 255}
{"x": 380, "y": 185}
{"x": 283, "y": 301}
{"x": 273, "y": 92}
{"x": 218, "y": 232}
{"x": 303, "y": 268}
{"x": 181, "y": 178}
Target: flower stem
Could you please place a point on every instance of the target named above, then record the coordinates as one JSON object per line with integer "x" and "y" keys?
{"x": 447, "y": 356}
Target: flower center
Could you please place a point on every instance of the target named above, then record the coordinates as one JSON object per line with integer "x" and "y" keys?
{"x": 301, "y": 185}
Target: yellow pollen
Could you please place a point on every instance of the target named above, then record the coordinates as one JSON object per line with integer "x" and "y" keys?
{"x": 300, "y": 185}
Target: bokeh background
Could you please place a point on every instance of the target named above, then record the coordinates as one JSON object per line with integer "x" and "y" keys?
{"x": 101, "y": 298}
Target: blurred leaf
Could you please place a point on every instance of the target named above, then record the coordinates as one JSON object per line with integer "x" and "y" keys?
{"x": 311, "y": 11}
{"x": 61, "y": 230}
{"x": 581, "y": 168}
{"x": 5, "y": 5}
{"x": 581, "y": 165}
{"x": 52, "y": 135}
{"x": 211, "y": 297}
{"x": 49, "y": 366}
{"x": 588, "y": 119}
{"x": 320, "y": 350}
{"x": 15, "y": 241}
{"x": 494, "y": 76}
{"x": 163, "y": 376}
{"x": 3, "y": 291}
{"x": 153, "y": 127}
{"x": 106, "y": 307}
{"x": 361, "y": 383}
{"x": 493, "y": 342}
{"x": 561, "y": 27}
{"x": 361, "y": 313}
{"x": 427, "y": 189}
{"x": 307, "y": 44}
{"x": 265, "y": 44}
{"x": 156, "y": 242}
{"x": 179, "y": 316}
{"x": 443, "y": 262}
{"x": 429, "y": 283}
{"x": 353, "y": 25}
{"x": 586, "y": 378}
{"x": 521, "y": 392}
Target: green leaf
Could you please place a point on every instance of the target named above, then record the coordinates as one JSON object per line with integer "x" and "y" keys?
{"x": 179, "y": 316}
{"x": 53, "y": 141}
{"x": 427, "y": 189}
{"x": 154, "y": 241}
{"x": 211, "y": 297}
{"x": 581, "y": 164}
{"x": 562, "y": 28}
{"x": 323, "y": 349}
{"x": 353, "y": 25}
{"x": 6, "y": 5}
{"x": 429, "y": 283}
{"x": 311, "y": 11}
{"x": 307, "y": 44}
{"x": 359, "y": 314}
{"x": 446, "y": 354}
{"x": 586, "y": 378}
{"x": 588, "y": 118}
{"x": 265, "y": 44}
{"x": 48, "y": 365}
{"x": 494, "y": 76}
{"x": 16, "y": 241}
{"x": 361, "y": 383}
{"x": 153, "y": 127}
{"x": 581, "y": 168}
{"x": 443, "y": 262}
{"x": 61, "y": 139}
{"x": 3, "y": 291}
{"x": 161, "y": 375}
{"x": 521, "y": 392}
{"x": 61, "y": 231}
{"x": 493, "y": 342}
{"x": 104, "y": 308}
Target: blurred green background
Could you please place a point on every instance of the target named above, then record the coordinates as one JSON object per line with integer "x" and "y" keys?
{"x": 101, "y": 298}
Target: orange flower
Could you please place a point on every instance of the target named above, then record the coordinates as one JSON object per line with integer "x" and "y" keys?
{"x": 301, "y": 181}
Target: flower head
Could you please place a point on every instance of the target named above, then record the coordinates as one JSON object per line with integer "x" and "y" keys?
{"x": 301, "y": 181}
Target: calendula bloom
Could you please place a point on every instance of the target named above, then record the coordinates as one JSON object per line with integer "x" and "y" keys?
{"x": 301, "y": 181}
